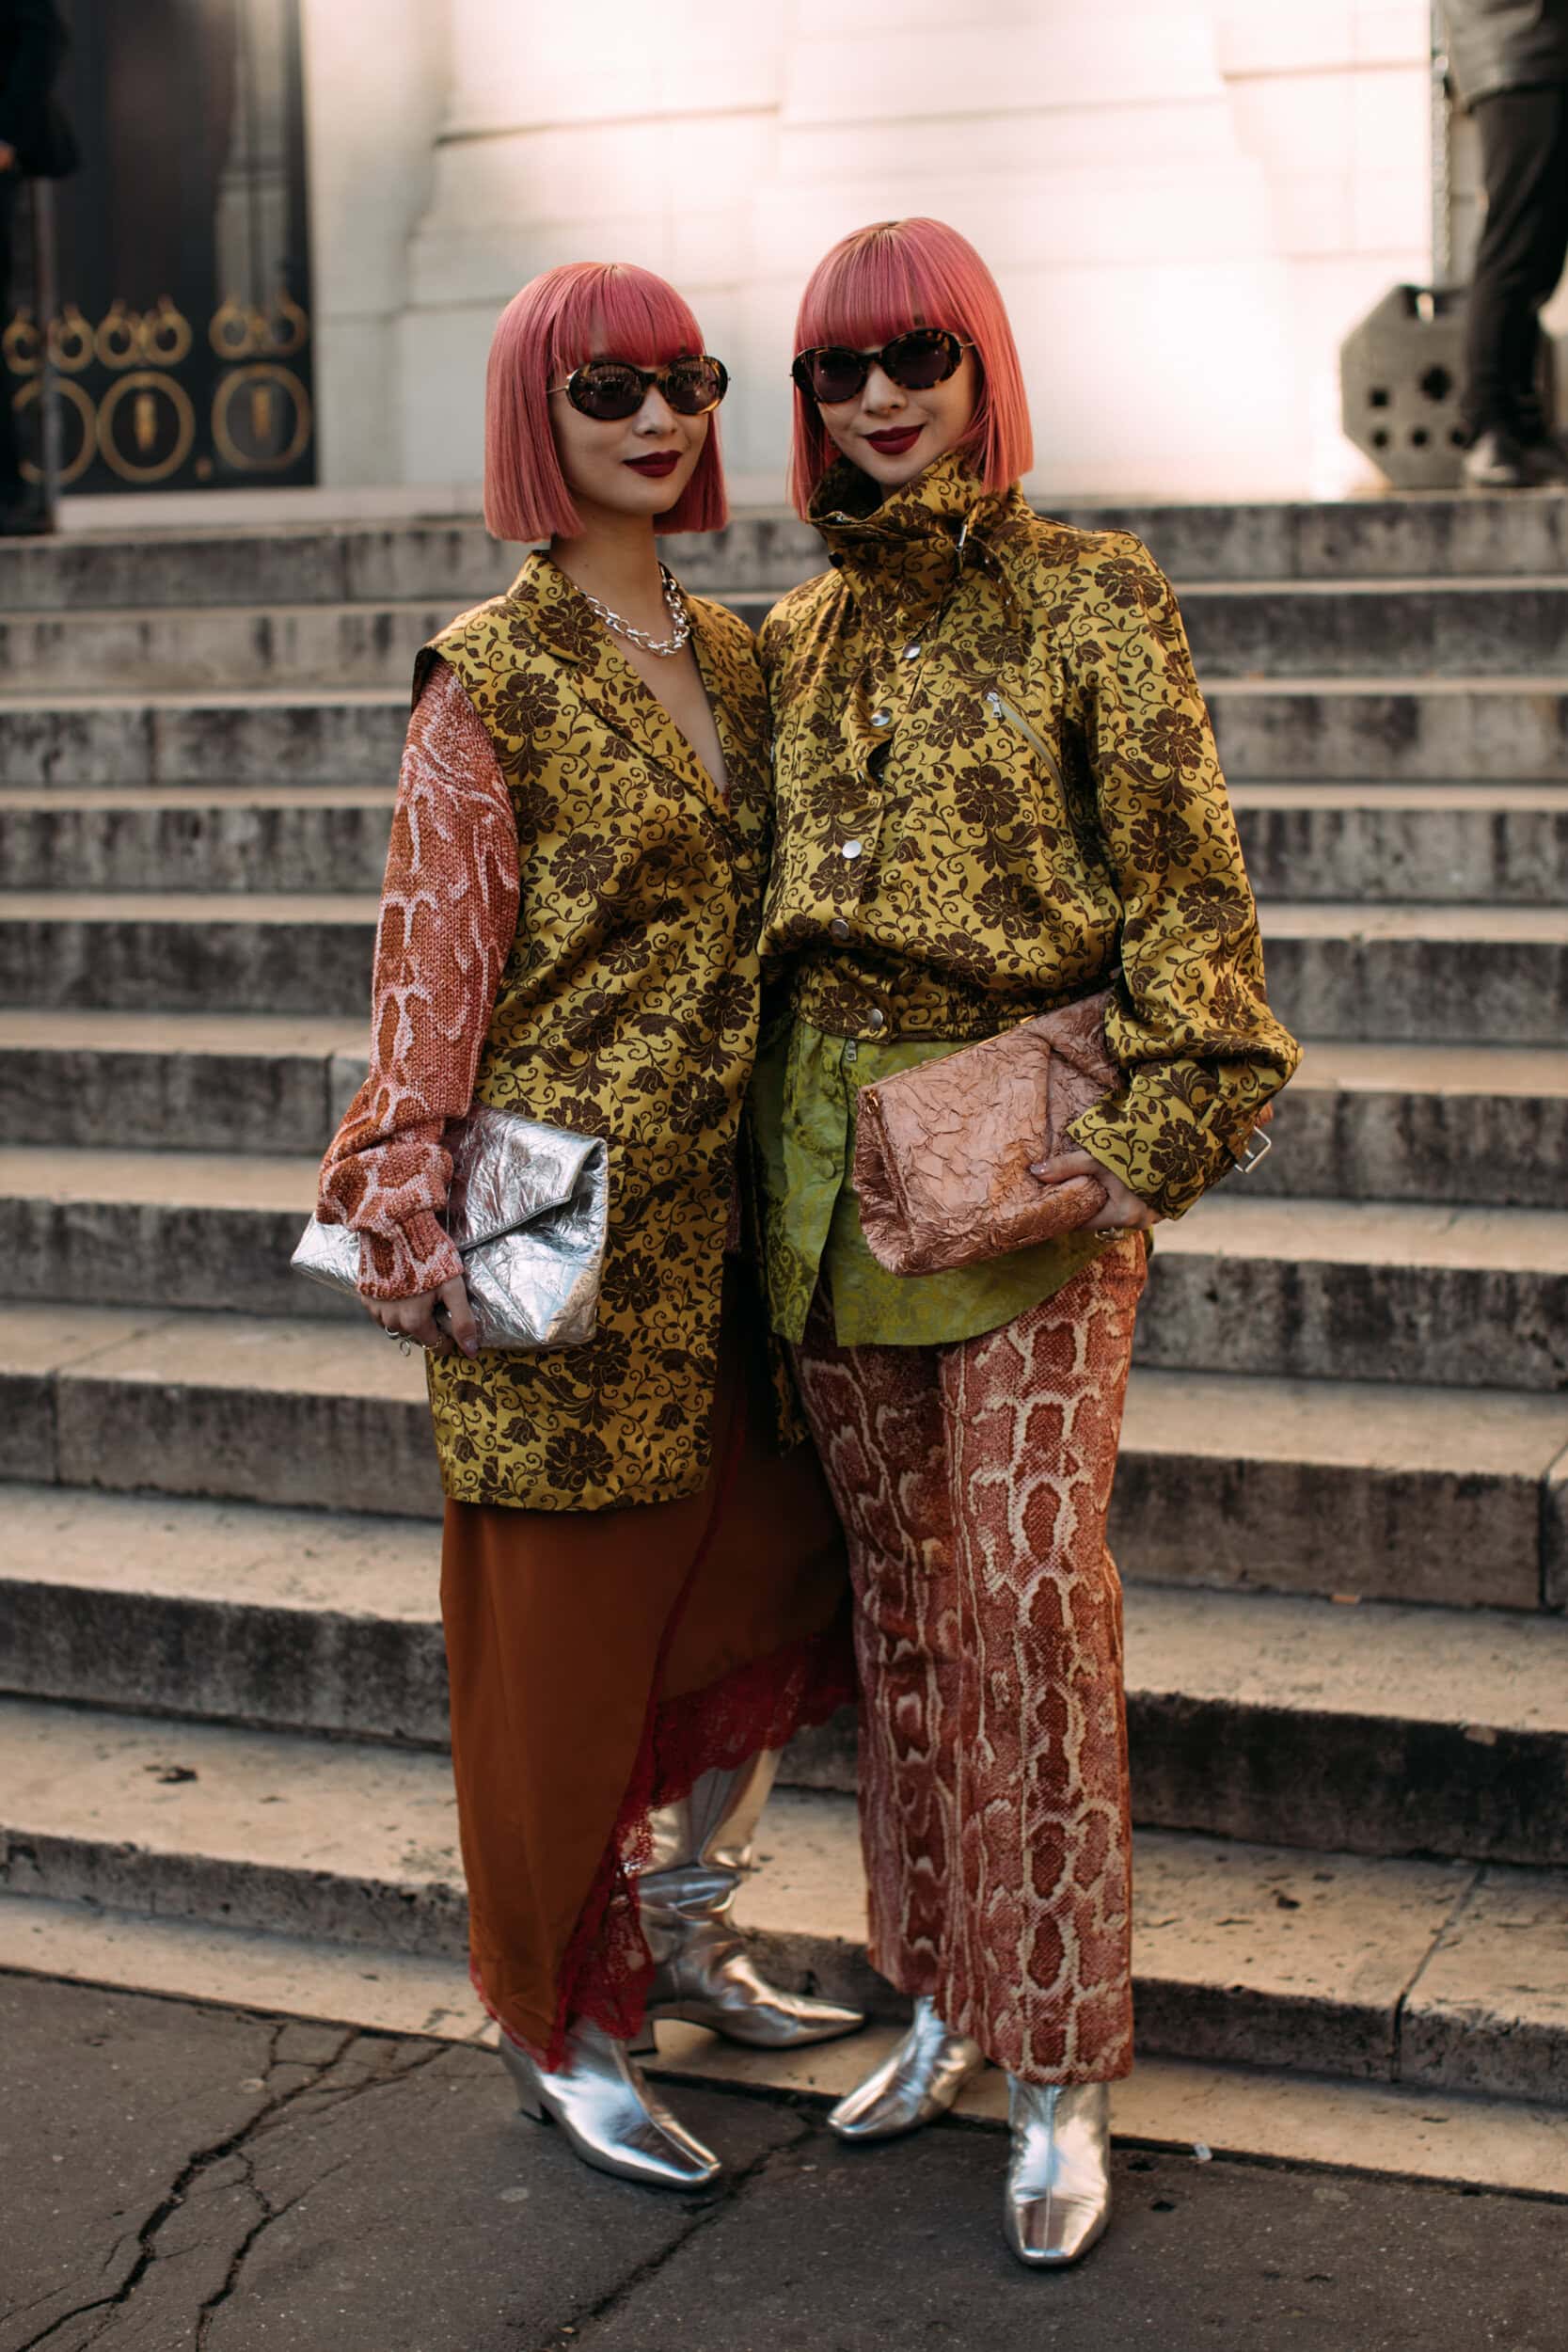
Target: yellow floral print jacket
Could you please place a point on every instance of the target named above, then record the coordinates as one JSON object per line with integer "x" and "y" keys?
{"x": 628, "y": 1007}
{"x": 995, "y": 785}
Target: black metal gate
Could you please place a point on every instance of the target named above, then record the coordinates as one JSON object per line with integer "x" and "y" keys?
{"x": 183, "y": 335}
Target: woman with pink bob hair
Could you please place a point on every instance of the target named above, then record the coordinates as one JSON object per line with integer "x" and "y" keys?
{"x": 642, "y": 1589}
{"x": 996, "y": 795}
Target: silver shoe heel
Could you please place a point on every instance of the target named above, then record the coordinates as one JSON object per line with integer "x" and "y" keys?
{"x": 1059, "y": 2194}
{"x": 610, "y": 2118}
{"x": 917, "y": 2081}
{"x": 702, "y": 1847}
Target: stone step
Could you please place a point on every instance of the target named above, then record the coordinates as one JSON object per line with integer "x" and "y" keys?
{"x": 1493, "y": 843}
{"x": 1461, "y": 2141}
{"x": 1346, "y": 1290}
{"x": 1343, "y": 1489}
{"x": 1329, "y": 1964}
{"x": 182, "y": 1081}
{"x": 1398, "y": 1122}
{"x": 450, "y": 562}
{"x": 178, "y": 1228}
{"x": 1379, "y": 1730}
{"x": 1405, "y": 629}
{"x": 1324, "y": 729}
{"x": 1392, "y": 730}
{"x": 1490, "y": 843}
{"x": 1385, "y": 539}
{"x": 1290, "y": 1288}
{"x": 1434, "y": 974}
{"x": 1413, "y": 1122}
{"x": 1429, "y": 975}
{"x": 1479, "y": 626}
{"x": 274, "y": 735}
{"x": 1309, "y": 1487}
{"x": 1408, "y": 628}
{"x": 180, "y": 649}
{"x": 166, "y": 838}
{"x": 325, "y": 1414}
{"x": 214, "y": 952}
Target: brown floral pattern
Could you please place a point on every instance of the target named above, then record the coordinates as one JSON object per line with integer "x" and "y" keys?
{"x": 1001, "y": 712}
{"x": 626, "y": 1007}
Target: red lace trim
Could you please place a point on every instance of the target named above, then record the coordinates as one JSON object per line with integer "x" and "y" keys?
{"x": 607, "y": 1969}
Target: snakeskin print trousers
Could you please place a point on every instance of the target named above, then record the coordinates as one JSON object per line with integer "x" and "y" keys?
{"x": 974, "y": 1481}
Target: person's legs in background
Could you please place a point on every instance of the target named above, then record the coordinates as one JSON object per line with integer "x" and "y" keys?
{"x": 1523, "y": 141}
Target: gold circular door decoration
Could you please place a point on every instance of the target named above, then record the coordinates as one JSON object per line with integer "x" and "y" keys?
{"x": 19, "y": 343}
{"x": 236, "y": 331}
{"x": 146, "y": 426}
{"x": 261, "y": 419}
{"x": 163, "y": 335}
{"x": 117, "y": 339}
{"x": 74, "y": 466}
{"x": 287, "y": 330}
{"x": 71, "y": 340}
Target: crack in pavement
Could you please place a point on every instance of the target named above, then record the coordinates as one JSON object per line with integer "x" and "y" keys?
{"x": 573, "y": 2338}
{"x": 329, "y": 2101}
{"x": 195, "y": 2166}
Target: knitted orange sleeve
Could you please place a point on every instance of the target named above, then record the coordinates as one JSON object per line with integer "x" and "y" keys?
{"x": 448, "y": 914}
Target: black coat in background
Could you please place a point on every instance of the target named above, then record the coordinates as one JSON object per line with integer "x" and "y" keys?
{"x": 33, "y": 45}
{"x": 1506, "y": 44}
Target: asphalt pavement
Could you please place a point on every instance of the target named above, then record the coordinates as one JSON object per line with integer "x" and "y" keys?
{"x": 176, "y": 2176}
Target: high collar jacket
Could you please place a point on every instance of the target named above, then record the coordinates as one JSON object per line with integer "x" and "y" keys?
{"x": 996, "y": 790}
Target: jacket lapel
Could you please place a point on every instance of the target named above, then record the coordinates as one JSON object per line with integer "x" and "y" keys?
{"x": 613, "y": 689}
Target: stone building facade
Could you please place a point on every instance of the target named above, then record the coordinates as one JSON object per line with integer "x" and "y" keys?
{"x": 1187, "y": 202}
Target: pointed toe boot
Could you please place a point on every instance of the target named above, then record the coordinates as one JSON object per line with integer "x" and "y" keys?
{"x": 686, "y": 1903}
{"x": 1059, "y": 2194}
{"x": 610, "y": 2118}
{"x": 917, "y": 2081}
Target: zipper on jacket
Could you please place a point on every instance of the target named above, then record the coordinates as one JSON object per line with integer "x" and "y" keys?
{"x": 1036, "y": 742}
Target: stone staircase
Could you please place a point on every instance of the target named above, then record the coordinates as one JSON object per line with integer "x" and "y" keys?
{"x": 1344, "y": 1501}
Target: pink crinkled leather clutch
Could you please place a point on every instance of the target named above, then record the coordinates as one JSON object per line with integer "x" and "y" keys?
{"x": 943, "y": 1152}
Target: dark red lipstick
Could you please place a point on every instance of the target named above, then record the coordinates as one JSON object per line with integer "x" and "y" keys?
{"x": 894, "y": 443}
{"x": 663, "y": 461}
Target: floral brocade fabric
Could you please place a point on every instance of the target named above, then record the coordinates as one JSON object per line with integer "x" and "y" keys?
{"x": 995, "y": 782}
{"x": 626, "y": 1007}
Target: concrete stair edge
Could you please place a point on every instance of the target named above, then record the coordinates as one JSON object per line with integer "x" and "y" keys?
{"x": 1372, "y": 1970}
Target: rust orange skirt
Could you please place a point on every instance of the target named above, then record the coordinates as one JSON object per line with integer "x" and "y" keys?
{"x": 599, "y": 1662}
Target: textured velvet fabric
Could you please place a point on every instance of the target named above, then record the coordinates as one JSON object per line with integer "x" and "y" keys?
{"x": 974, "y": 1481}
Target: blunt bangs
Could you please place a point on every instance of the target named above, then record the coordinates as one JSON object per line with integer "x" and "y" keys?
{"x": 878, "y": 283}
{"x": 582, "y": 311}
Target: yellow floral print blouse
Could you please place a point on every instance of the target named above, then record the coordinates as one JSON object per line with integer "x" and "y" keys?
{"x": 995, "y": 788}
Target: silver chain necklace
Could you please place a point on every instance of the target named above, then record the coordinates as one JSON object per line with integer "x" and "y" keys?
{"x": 675, "y": 603}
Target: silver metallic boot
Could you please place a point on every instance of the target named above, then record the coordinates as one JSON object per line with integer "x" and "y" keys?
{"x": 1058, "y": 2195}
{"x": 610, "y": 2118}
{"x": 916, "y": 2082}
{"x": 686, "y": 1901}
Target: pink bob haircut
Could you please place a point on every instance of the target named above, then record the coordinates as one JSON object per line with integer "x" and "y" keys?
{"x": 881, "y": 282}
{"x": 584, "y": 310}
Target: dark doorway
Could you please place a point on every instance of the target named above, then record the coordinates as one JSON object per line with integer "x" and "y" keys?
{"x": 184, "y": 334}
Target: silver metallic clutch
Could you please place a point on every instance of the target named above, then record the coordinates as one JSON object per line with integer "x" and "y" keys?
{"x": 528, "y": 1211}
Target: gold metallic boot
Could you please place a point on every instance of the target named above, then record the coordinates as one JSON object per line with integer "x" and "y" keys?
{"x": 1058, "y": 2195}
{"x": 917, "y": 2081}
{"x": 610, "y": 2118}
{"x": 686, "y": 1902}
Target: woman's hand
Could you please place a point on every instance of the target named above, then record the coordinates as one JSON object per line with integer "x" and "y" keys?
{"x": 417, "y": 1318}
{"x": 1122, "y": 1211}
